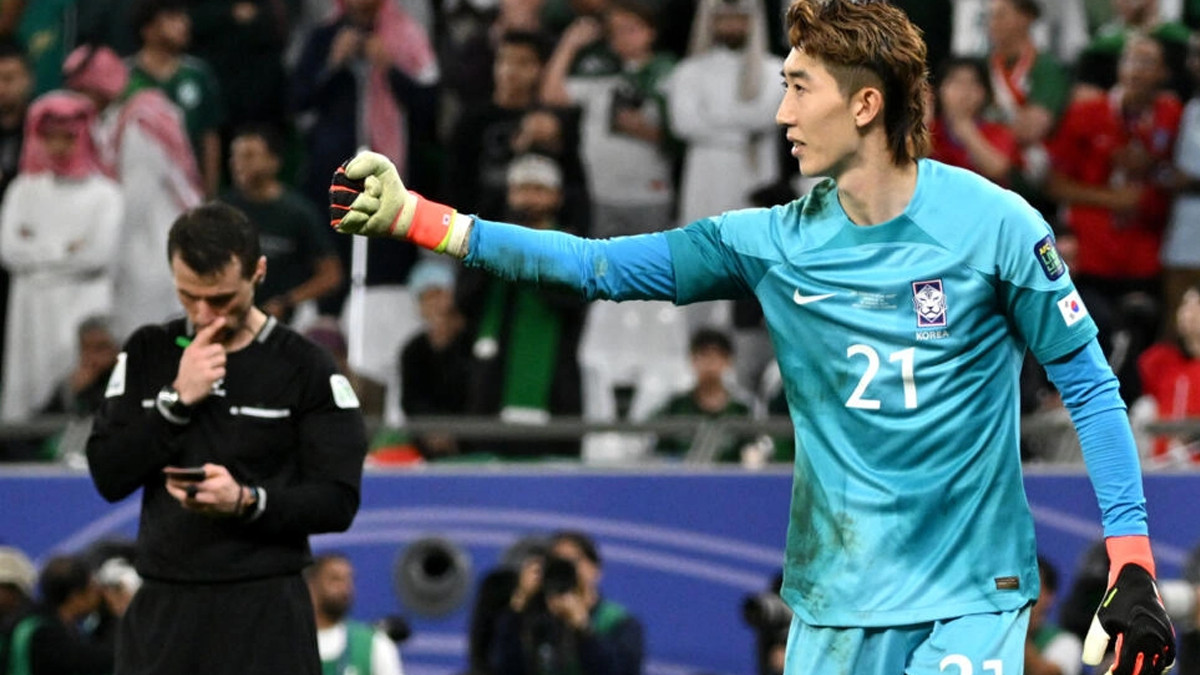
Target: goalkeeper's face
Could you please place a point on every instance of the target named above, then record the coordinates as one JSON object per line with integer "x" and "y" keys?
{"x": 821, "y": 123}
{"x": 225, "y": 293}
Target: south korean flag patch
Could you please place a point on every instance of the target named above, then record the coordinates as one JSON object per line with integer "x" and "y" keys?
{"x": 343, "y": 393}
{"x": 1072, "y": 309}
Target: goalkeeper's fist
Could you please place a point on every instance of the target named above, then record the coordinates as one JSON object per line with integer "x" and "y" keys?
{"x": 366, "y": 196}
{"x": 1133, "y": 612}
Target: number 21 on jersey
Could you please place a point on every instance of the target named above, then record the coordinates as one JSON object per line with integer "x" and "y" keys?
{"x": 903, "y": 361}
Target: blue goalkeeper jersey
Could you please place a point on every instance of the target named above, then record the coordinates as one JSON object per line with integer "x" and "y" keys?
{"x": 900, "y": 346}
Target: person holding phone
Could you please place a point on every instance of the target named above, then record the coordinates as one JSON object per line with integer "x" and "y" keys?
{"x": 245, "y": 440}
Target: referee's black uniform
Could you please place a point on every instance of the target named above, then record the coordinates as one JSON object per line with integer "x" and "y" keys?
{"x": 225, "y": 595}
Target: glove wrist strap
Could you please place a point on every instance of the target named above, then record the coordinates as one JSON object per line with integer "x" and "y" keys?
{"x": 1129, "y": 549}
{"x": 433, "y": 226}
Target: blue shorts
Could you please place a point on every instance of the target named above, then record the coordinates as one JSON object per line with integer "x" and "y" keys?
{"x": 975, "y": 644}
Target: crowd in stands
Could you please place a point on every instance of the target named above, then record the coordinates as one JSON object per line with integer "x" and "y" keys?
{"x": 541, "y": 609}
{"x": 597, "y": 117}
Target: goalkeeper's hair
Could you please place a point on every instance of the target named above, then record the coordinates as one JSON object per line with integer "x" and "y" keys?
{"x": 207, "y": 236}
{"x": 870, "y": 43}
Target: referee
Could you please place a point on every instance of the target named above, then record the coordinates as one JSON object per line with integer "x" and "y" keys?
{"x": 274, "y": 440}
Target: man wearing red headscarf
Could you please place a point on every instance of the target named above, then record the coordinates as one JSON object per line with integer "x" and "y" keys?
{"x": 58, "y": 235}
{"x": 143, "y": 145}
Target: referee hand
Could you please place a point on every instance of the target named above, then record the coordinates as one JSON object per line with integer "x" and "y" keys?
{"x": 217, "y": 495}
{"x": 202, "y": 364}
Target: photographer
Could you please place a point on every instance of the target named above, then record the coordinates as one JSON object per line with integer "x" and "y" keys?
{"x": 347, "y": 646}
{"x": 770, "y": 617}
{"x": 557, "y": 623}
{"x": 1189, "y": 633}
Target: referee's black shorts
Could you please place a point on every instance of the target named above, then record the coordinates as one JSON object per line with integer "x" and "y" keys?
{"x": 260, "y": 627}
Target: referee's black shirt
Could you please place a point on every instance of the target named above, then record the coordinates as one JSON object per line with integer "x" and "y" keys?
{"x": 282, "y": 418}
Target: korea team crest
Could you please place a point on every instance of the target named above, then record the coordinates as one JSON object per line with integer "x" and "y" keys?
{"x": 929, "y": 301}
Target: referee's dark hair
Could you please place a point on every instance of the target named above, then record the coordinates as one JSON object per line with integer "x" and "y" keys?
{"x": 585, "y": 543}
{"x": 61, "y": 578}
{"x": 206, "y": 236}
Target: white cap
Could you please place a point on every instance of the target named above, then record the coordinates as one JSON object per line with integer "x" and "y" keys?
{"x": 17, "y": 569}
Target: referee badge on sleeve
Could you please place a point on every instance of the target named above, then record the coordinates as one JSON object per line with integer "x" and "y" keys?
{"x": 116, "y": 381}
{"x": 1072, "y": 308}
{"x": 343, "y": 393}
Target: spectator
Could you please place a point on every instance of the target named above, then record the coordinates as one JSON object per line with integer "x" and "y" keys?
{"x": 370, "y": 58}
{"x": 1111, "y": 160}
{"x": 482, "y": 142}
{"x": 1181, "y": 245}
{"x": 142, "y": 142}
{"x": 559, "y": 623}
{"x": 60, "y": 274}
{"x": 465, "y": 38}
{"x": 299, "y": 247}
{"x": 347, "y": 647}
{"x": 164, "y": 28}
{"x": 626, "y": 146}
{"x": 17, "y": 579}
{"x": 525, "y": 339}
{"x": 961, "y": 135}
{"x": 82, "y": 392}
{"x": 364, "y": 78}
{"x": 1170, "y": 377}
{"x": 1061, "y": 28}
{"x": 1189, "y": 633}
{"x": 16, "y": 85}
{"x": 435, "y": 363}
{"x": 48, "y": 31}
{"x": 1098, "y": 66}
{"x": 1029, "y": 87}
{"x": 275, "y": 433}
{"x": 1049, "y": 650}
{"x": 47, "y": 640}
{"x": 721, "y": 101}
{"x": 711, "y": 396}
{"x": 118, "y": 582}
{"x": 243, "y": 41}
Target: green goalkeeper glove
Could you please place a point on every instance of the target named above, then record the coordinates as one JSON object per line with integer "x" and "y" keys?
{"x": 367, "y": 197}
{"x": 1132, "y": 610}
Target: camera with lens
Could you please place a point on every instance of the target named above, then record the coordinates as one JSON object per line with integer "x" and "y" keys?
{"x": 558, "y": 576}
{"x": 766, "y": 612}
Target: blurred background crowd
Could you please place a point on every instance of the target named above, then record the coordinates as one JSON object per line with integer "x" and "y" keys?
{"x": 597, "y": 117}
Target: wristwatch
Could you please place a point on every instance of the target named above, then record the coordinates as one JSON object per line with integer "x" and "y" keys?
{"x": 171, "y": 407}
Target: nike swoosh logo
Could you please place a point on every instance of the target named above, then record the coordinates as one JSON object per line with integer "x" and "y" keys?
{"x": 805, "y": 299}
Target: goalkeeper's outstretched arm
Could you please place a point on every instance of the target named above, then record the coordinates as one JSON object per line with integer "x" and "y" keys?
{"x": 367, "y": 197}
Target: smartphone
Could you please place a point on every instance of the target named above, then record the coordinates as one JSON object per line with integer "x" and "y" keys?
{"x": 192, "y": 474}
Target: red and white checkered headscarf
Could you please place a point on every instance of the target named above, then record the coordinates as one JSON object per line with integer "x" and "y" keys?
{"x": 57, "y": 111}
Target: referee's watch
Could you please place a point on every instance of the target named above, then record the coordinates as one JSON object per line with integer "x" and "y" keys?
{"x": 171, "y": 407}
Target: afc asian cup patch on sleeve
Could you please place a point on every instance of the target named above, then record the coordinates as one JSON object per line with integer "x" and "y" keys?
{"x": 116, "y": 381}
{"x": 343, "y": 393}
{"x": 1072, "y": 308}
{"x": 1047, "y": 256}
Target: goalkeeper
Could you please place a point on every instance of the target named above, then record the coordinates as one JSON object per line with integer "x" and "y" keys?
{"x": 901, "y": 295}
